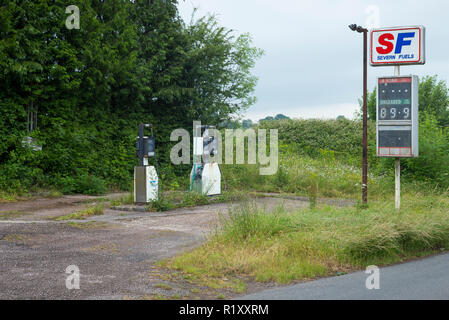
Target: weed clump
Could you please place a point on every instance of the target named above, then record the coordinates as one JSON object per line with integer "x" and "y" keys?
{"x": 91, "y": 211}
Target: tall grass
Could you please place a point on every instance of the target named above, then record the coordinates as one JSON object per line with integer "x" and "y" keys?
{"x": 96, "y": 210}
{"x": 330, "y": 152}
{"x": 284, "y": 246}
{"x": 307, "y": 176}
{"x": 175, "y": 199}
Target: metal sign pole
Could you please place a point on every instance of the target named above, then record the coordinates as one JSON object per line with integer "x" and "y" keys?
{"x": 397, "y": 166}
{"x": 360, "y": 29}
{"x": 365, "y": 120}
{"x": 397, "y": 182}
{"x": 397, "y": 97}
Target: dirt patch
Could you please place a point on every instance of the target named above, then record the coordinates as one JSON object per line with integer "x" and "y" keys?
{"x": 109, "y": 248}
{"x": 8, "y": 215}
{"x": 47, "y": 208}
{"x": 117, "y": 253}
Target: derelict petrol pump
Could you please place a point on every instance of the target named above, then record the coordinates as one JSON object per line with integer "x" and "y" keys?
{"x": 205, "y": 178}
{"x": 146, "y": 181}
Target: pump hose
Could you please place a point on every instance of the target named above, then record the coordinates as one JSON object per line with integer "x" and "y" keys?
{"x": 157, "y": 170}
{"x": 194, "y": 175}
{"x": 194, "y": 167}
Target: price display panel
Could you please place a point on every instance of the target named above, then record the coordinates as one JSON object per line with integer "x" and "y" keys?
{"x": 397, "y": 116}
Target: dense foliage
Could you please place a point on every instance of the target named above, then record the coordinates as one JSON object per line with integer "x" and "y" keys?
{"x": 137, "y": 61}
{"x": 130, "y": 62}
{"x": 342, "y": 140}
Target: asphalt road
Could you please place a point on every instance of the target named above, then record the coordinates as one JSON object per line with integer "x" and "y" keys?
{"x": 416, "y": 280}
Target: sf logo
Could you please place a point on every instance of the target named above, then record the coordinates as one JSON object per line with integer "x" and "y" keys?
{"x": 386, "y": 41}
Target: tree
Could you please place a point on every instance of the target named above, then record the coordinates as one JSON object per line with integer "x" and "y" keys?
{"x": 269, "y": 118}
{"x": 248, "y": 123}
{"x": 277, "y": 117}
{"x": 434, "y": 99}
{"x": 280, "y": 117}
{"x": 371, "y": 104}
{"x": 130, "y": 62}
{"x": 216, "y": 72}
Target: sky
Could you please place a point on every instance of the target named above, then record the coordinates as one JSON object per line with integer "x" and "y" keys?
{"x": 313, "y": 63}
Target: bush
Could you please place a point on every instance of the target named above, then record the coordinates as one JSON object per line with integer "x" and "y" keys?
{"x": 433, "y": 161}
{"x": 314, "y": 137}
{"x": 84, "y": 184}
{"x": 160, "y": 205}
{"x": 332, "y": 149}
{"x": 20, "y": 173}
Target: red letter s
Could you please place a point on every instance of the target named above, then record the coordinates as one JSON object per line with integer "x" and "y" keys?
{"x": 383, "y": 41}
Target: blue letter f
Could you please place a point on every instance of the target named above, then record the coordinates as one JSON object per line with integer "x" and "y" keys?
{"x": 401, "y": 42}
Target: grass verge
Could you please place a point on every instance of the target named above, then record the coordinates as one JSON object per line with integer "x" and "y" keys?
{"x": 286, "y": 246}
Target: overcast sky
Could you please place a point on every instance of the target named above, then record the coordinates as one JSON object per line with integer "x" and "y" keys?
{"x": 312, "y": 67}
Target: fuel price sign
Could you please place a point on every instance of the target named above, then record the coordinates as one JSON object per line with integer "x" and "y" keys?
{"x": 397, "y": 116}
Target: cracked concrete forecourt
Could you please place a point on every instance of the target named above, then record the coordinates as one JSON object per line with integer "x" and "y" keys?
{"x": 115, "y": 252}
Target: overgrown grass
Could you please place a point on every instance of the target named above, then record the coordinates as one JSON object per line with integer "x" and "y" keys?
{"x": 5, "y": 215}
{"x": 37, "y": 193}
{"x": 8, "y": 197}
{"x": 174, "y": 200}
{"x": 307, "y": 176}
{"x": 95, "y": 225}
{"x": 285, "y": 246}
{"x": 91, "y": 211}
{"x": 122, "y": 200}
{"x": 161, "y": 204}
{"x": 323, "y": 159}
{"x": 324, "y": 177}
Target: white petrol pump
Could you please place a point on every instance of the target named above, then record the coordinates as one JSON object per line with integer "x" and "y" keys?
{"x": 146, "y": 181}
{"x": 205, "y": 178}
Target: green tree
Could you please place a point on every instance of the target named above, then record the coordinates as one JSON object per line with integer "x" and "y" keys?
{"x": 130, "y": 62}
{"x": 280, "y": 117}
{"x": 432, "y": 163}
{"x": 277, "y": 117}
{"x": 248, "y": 123}
{"x": 217, "y": 71}
{"x": 268, "y": 118}
{"x": 372, "y": 104}
{"x": 434, "y": 99}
